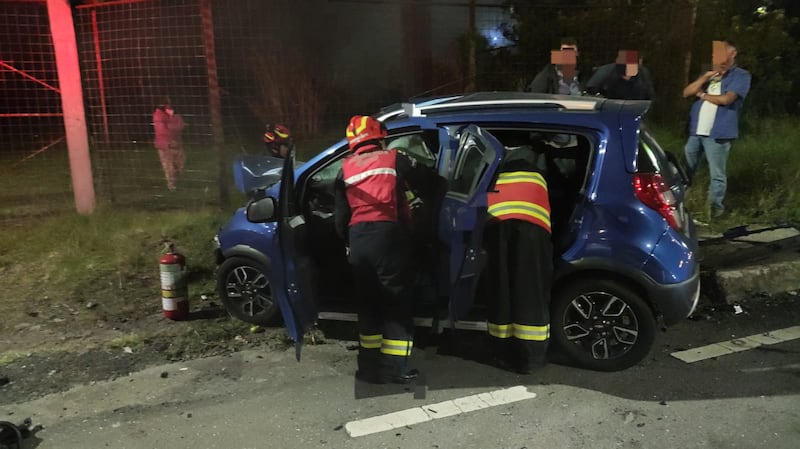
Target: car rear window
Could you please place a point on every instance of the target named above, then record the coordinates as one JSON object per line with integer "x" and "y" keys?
{"x": 652, "y": 158}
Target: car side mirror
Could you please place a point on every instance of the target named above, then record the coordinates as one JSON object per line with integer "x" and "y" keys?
{"x": 261, "y": 210}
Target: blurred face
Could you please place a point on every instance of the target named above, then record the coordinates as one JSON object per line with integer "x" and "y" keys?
{"x": 629, "y": 59}
{"x": 169, "y": 110}
{"x": 566, "y": 60}
{"x": 723, "y": 56}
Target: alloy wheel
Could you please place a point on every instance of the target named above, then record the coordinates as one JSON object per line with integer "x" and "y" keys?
{"x": 602, "y": 323}
{"x": 248, "y": 288}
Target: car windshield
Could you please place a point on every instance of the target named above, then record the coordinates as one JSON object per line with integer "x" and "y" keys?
{"x": 251, "y": 172}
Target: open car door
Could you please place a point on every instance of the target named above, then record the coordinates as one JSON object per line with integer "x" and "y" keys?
{"x": 295, "y": 294}
{"x": 463, "y": 215}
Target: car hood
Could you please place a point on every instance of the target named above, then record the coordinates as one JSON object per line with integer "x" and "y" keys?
{"x": 252, "y": 172}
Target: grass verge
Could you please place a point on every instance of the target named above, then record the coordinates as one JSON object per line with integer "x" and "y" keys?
{"x": 65, "y": 279}
{"x": 763, "y": 174}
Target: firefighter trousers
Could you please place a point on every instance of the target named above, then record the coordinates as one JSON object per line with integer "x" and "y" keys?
{"x": 519, "y": 277}
{"x": 380, "y": 255}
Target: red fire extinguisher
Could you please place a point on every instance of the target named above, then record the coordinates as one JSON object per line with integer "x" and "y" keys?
{"x": 174, "y": 291}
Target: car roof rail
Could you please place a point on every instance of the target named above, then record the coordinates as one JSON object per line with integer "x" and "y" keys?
{"x": 490, "y": 100}
{"x": 413, "y": 110}
{"x": 405, "y": 109}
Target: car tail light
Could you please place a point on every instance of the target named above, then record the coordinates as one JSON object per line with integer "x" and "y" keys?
{"x": 653, "y": 192}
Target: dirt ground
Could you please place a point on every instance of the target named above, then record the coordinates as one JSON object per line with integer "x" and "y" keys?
{"x": 51, "y": 352}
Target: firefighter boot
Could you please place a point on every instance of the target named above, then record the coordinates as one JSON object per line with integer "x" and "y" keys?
{"x": 532, "y": 356}
{"x": 501, "y": 354}
{"x": 369, "y": 365}
{"x": 395, "y": 370}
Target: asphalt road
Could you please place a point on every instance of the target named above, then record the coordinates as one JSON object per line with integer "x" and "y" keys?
{"x": 259, "y": 399}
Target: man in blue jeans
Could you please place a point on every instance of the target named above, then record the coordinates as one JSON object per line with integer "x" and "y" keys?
{"x": 714, "y": 118}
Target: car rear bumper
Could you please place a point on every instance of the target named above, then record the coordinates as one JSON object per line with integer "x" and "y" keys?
{"x": 675, "y": 302}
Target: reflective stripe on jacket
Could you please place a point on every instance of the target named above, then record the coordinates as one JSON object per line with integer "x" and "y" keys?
{"x": 521, "y": 195}
{"x": 370, "y": 179}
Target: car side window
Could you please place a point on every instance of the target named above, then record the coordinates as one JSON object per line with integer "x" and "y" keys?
{"x": 471, "y": 164}
{"x": 647, "y": 161}
{"x": 318, "y": 191}
{"x": 413, "y": 146}
{"x": 328, "y": 173}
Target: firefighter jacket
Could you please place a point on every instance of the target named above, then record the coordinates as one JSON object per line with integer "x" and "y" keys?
{"x": 521, "y": 195}
{"x": 371, "y": 187}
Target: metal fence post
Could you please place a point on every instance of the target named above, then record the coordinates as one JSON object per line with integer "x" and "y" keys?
{"x": 69, "y": 80}
{"x": 215, "y": 104}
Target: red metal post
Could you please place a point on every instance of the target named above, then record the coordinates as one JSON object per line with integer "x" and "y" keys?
{"x": 100, "y": 81}
{"x": 69, "y": 80}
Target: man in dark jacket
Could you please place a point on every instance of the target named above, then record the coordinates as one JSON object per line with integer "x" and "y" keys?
{"x": 373, "y": 216}
{"x": 561, "y": 75}
{"x": 625, "y": 79}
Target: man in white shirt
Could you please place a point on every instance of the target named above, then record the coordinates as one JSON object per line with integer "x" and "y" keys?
{"x": 714, "y": 119}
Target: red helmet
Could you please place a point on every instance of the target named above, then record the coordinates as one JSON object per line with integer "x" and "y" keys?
{"x": 277, "y": 134}
{"x": 363, "y": 129}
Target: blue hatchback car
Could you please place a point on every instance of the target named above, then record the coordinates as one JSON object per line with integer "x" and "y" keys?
{"x": 625, "y": 247}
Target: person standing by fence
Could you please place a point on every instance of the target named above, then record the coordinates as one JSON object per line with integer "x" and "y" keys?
{"x": 714, "y": 118}
{"x": 168, "y": 128}
{"x": 624, "y": 79}
{"x": 561, "y": 75}
{"x": 277, "y": 139}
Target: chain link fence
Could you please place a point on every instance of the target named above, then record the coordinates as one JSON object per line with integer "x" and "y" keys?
{"x": 309, "y": 65}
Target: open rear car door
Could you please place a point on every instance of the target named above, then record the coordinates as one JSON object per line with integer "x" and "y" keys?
{"x": 463, "y": 216}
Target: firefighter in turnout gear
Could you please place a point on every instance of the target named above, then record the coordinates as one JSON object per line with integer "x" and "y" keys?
{"x": 277, "y": 140}
{"x": 520, "y": 265}
{"x": 373, "y": 216}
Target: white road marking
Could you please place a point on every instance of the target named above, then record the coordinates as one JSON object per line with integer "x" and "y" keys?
{"x": 444, "y": 409}
{"x": 792, "y": 367}
{"x": 738, "y": 345}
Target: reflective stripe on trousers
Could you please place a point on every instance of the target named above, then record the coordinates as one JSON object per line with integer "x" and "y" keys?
{"x": 387, "y": 346}
{"x": 520, "y": 331}
{"x": 370, "y": 341}
{"x": 397, "y": 347}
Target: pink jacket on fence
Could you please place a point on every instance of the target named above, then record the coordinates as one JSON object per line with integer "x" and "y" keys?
{"x": 168, "y": 129}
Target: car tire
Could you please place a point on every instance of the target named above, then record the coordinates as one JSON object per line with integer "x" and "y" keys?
{"x": 244, "y": 289}
{"x": 602, "y": 324}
